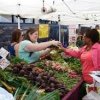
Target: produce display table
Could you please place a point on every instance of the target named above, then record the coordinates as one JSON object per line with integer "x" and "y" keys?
{"x": 47, "y": 74}
{"x": 74, "y": 94}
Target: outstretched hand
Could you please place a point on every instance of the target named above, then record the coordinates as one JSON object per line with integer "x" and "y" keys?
{"x": 55, "y": 43}
{"x": 61, "y": 47}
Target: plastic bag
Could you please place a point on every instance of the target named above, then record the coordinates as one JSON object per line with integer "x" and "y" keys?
{"x": 91, "y": 96}
{"x": 5, "y": 95}
{"x": 94, "y": 87}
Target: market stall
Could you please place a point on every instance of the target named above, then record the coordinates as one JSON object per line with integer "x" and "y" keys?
{"x": 52, "y": 75}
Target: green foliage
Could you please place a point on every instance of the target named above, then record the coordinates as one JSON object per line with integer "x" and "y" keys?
{"x": 33, "y": 95}
{"x": 74, "y": 64}
{"x": 51, "y": 96}
{"x": 63, "y": 78}
{"x": 16, "y": 60}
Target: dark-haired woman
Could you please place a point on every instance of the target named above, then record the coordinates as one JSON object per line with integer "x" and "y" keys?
{"x": 30, "y": 50}
{"x": 89, "y": 54}
{"x": 15, "y": 39}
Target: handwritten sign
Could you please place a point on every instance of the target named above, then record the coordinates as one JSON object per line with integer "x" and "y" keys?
{"x": 3, "y": 52}
{"x": 4, "y": 63}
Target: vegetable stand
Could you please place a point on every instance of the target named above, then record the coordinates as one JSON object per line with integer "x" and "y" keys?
{"x": 49, "y": 74}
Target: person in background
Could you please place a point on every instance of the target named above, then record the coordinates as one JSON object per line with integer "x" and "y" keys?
{"x": 29, "y": 50}
{"x": 98, "y": 29}
{"x": 89, "y": 54}
{"x": 79, "y": 42}
{"x": 17, "y": 36}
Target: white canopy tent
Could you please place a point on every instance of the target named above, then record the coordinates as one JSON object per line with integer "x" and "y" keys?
{"x": 70, "y": 11}
{"x": 25, "y": 8}
{"x": 72, "y": 19}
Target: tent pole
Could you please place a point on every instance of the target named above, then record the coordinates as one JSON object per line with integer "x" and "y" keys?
{"x": 18, "y": 22}
{"x": 63, "y": 37}
{"x": 18, "y": 11}
{"x": 59, "y": 28}
{"x": 59, "y": 33}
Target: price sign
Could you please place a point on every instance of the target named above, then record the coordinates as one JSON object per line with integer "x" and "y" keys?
{"x": 3, "y": 52}
{"x": 4, "y": 63}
